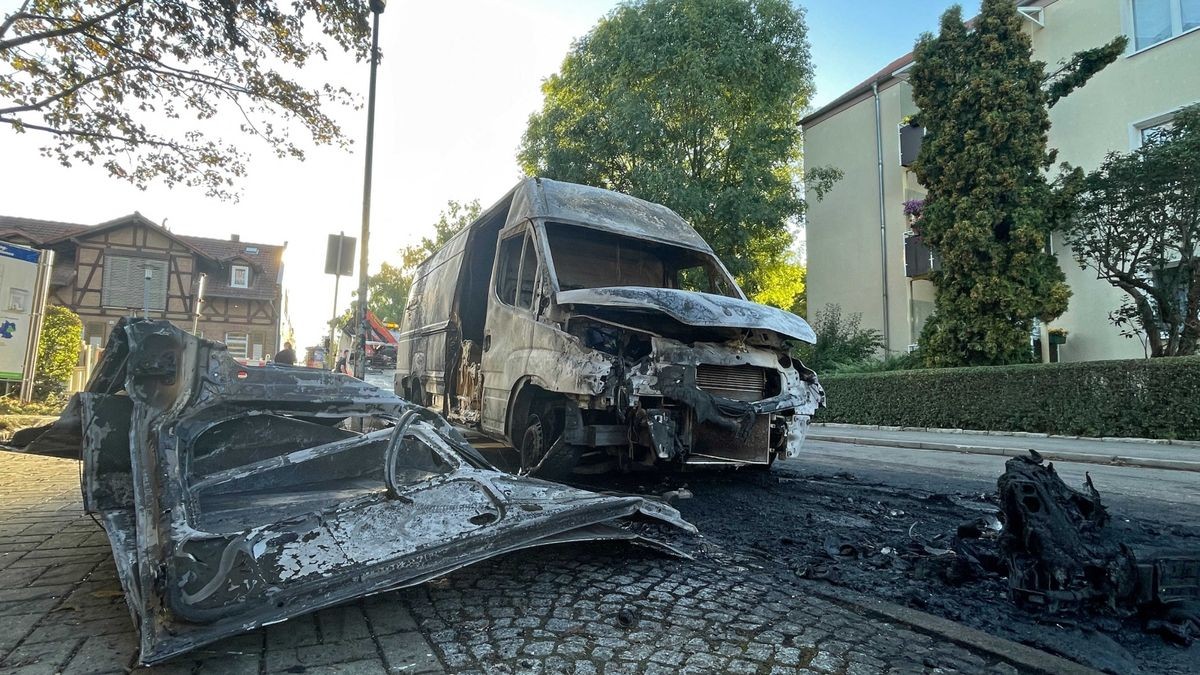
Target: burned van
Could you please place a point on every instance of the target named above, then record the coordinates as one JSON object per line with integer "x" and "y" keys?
{"x": 592, "y": 330}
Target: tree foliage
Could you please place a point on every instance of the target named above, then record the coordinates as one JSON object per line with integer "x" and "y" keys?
{"x": 388, "y": 288}
{"x": 688, "y": 103}
{"x": 841, "y": 341}
{"x": 58, "y": 352}
{"x": 990, "y": 207}
{"x": 133, "y": 84}
{"x": 1138, "y": 227}
{"x": 781, "y": 283}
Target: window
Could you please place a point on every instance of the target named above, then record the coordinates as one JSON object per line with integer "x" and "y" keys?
{"x": 517, "y": 277}
{"x": 131, "y": 282}
{"x": 95, "y": 333}
{"x": 256, "y": 346}
{"x": 587, "y": 258}
{"x": 529, "y": 266}
{"x": 1150, "y": 133}
{"x": 1155, "y": 21}
{"x": 239, "y": 276}
{"x": 508, "y": 279}
{"x": 238, "y": 344}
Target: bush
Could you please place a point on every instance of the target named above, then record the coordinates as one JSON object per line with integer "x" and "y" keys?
{"x": 841, "y": 342}
{"x": 58, "y": 352}
{"x": 1138, "y": 398}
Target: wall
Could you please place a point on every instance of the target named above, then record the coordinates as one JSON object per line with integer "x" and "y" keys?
{"x": 843, "y": 241}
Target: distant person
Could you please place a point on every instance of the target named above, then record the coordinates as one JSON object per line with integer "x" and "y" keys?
{"x": 286, "y": 356}
{"x": 343, "y": 363}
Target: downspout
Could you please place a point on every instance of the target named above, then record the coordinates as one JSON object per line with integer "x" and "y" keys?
{"x": 883, "y": 266}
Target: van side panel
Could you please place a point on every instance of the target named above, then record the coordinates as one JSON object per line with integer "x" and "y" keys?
{"x": 421, "y": 352}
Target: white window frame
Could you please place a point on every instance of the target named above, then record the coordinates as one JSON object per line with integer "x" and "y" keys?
{"x": 233, "y": 275}
{"x": 1138, "y": 129}
{"x": 1130, "y": 12}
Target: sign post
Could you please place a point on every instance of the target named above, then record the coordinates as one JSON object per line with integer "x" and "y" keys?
{"x": 339, "y": 261}
{"x": 24, "y": 285}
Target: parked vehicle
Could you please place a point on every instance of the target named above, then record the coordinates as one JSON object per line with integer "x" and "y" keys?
{"x": 574, "y": 322}
{"x": 382, "y": 357}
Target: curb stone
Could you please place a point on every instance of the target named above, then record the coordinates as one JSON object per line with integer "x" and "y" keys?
{"x": 1023, "y": 434}
{"x": 1054, "y": 456}
{"x": 1027, "y": 659}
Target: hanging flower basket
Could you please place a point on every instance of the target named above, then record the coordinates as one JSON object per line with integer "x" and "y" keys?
{"x": 1058, "y": 336}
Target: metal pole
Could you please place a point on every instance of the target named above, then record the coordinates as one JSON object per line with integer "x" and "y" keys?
{"x": 883, "y": 271}
{"x": 199, "y": 301}
{"x": 337, "y": 280}
{"x": 360, "y": 346}
{"x": 36, "y": 319}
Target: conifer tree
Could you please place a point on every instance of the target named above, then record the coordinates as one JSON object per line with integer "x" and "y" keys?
{"x": 984, "y": 102}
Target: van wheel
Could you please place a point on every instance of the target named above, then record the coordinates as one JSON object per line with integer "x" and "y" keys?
{"x": 543, "y": 452}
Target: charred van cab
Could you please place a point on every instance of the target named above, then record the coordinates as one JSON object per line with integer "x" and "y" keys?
{"x": 588, "y": 329}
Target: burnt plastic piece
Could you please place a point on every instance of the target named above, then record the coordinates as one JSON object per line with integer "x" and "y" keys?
{"x": 237, "y": 496}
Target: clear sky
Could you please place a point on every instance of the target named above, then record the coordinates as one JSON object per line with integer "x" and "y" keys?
{"x": 456, "y": 85}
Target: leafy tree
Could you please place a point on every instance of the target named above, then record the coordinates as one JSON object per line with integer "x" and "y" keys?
{"x": 1138, "y": 227}
{"x": 781, "y": 283}
{"x": 388, "y": 289}
{"x": 455, "y": 217}
{"x": 692, "y": 104}
{"x": 841, "y": 342}
{"x": 58, "y": 352}
{"x": 112, "y": 81}
{"x": 989, "y": 210}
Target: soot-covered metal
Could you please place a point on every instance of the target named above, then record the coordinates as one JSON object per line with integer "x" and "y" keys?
{"x": 237, "y": 496}
{"x": 1064, "y": 558}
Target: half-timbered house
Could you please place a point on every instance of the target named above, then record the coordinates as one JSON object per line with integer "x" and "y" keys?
{"x": 133, "y": 265}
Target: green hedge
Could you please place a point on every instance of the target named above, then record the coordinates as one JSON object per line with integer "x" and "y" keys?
{"x": 1155, "y": 398}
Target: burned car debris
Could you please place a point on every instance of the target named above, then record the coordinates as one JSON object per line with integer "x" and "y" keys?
{"x": 236, "y": 497}
{"x": 589, "y": 329}
{"x": 1063, "y": 558}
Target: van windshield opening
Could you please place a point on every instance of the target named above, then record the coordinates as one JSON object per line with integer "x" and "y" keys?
{"x": 588, "y": 258}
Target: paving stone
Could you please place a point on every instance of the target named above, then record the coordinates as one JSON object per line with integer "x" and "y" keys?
{"x": 408, "y": 653}
{"x": 324, "y": 654}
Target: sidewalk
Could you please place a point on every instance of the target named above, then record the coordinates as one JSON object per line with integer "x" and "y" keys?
{"x": 1180, "y": 456}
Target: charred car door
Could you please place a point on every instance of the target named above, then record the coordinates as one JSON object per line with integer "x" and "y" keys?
{"x": 511, "y": 315}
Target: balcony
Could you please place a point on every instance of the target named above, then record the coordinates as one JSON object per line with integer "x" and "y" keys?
{"x": 911, "y": 136}
{"x": 919, "y": 259}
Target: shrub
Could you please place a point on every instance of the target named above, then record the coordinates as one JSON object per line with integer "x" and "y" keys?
{"x": 1139, "y": 398}
{"x": 58, "y": 352}
{"x": 841, "y": 342}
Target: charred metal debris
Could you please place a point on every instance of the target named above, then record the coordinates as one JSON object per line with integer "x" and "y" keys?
{"x": 236, "y": 497}
{"x": 1063, "y": 557}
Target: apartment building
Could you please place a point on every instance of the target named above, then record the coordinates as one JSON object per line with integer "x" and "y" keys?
{"x": 861, "y": 252}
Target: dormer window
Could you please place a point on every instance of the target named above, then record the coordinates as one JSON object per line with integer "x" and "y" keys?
{"x": 239, "y": 276}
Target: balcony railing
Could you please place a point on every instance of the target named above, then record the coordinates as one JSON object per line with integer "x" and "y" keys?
{"x": 919, "y": 259}
{"x": 910, "y": 143}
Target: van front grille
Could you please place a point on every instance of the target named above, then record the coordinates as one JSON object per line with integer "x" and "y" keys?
{"x": 741, "y": 383}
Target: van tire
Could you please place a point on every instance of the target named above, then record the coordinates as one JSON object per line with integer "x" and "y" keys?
{"x": 543, "y": 435}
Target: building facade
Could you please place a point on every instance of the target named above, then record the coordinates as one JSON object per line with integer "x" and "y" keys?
{"x": 131, "y": 265}
{"x": 861, "y": 252}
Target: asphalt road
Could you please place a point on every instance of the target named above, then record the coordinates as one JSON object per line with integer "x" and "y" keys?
{"x": 1166, "y": 496}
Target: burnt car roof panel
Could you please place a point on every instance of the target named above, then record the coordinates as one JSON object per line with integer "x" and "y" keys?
{"x": 233, "y": 498}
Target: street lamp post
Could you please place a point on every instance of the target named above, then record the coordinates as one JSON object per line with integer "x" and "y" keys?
{"x": 360, "y": 347}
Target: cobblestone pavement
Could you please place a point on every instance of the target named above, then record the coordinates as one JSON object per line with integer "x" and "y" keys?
{"x": 600, "y": 608}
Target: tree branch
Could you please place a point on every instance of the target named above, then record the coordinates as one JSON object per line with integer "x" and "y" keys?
{"x": 62, "y": 94}
{"x": 58, "y": 32}
{"x": 12, "y": 18}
